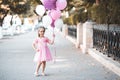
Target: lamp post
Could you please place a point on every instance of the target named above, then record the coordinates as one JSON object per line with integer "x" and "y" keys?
{"x": 86, "y": 14}
{"x": 107, "y": 23}
{"x": 67, "y": 14}
{"x": 108, "y": 35}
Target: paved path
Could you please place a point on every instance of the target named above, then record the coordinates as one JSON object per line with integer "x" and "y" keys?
{"x": 16, "y": 61}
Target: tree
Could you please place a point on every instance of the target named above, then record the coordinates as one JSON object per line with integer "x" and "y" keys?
{"x": 106, "y": 12}
{"x": 101, "y": 11}
{"x": 16, "y": 7}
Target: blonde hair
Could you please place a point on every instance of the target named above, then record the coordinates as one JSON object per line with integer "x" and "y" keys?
{"x": 42, "y": 27}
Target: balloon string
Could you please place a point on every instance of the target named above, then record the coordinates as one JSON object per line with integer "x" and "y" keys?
{"x": 54, "y": 49}
{"x": 54, "y": 53}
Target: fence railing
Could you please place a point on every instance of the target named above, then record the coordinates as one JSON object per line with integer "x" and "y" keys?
{"x": 72, "y": 31}
{"x": 106, "y": 38}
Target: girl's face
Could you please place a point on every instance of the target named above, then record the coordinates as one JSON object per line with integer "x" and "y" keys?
{"x": 41, "y": 32}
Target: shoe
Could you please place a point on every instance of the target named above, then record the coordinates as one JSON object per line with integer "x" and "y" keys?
{"x": 43, "y": 74}
{"x": 36, "y": 74}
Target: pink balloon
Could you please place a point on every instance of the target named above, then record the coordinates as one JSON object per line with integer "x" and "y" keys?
{"x": 55, "y": 14}
{"x": 61, "y": 4}
{"x": 49, "y": 4}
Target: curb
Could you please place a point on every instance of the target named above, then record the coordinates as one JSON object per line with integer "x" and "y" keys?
{"x": 103, "y": 59}
{"x": 106, "y": 61}
{"x": 71, "y": 39}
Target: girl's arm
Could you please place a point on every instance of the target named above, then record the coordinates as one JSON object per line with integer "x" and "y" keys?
{"x": 34, "y": 45}
{"x": 52, "y": 41}
{"x": 35, "y": 48}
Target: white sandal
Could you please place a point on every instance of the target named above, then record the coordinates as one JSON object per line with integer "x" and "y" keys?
{"x": 43, "y": 74}
{"x": 36, "y": 74}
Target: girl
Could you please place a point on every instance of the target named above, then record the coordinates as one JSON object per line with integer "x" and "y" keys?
{"x": 42, "y": 51}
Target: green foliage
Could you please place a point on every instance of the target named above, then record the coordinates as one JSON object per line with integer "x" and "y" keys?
{"x": 106, "y": 12}
{"x": 20, "y": 8}
{"x": 98, "y": 14}
{"x": 89, "y": 1}
{"x": 69, "y": 20}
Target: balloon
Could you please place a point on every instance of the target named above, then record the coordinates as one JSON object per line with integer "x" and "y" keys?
{"x": 42, "y": 1}
{"x": 55, "y": 14}
{"x": 40, "y": 10}
{"x": 53, "y": 23}
{"x": 47, "y": 20}
{"x": 49, "y": 4}
{"x": 61, "y": 4}
{"x": 59, "y": 23}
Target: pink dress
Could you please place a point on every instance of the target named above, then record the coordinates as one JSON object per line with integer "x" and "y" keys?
{"x": 43, "y": 53}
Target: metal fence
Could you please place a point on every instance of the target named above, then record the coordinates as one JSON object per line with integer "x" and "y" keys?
{"x": 72, "y": 31}
{"x": 106, "y": 39}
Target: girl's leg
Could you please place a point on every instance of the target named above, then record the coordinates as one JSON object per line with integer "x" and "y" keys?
{"x": 43, "y": 67}
{"x": 37, "y": 68}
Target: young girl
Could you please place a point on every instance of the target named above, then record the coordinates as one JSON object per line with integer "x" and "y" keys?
{"x": 42, "y": 51}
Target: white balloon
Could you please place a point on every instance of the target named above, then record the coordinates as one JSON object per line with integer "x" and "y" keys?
{"x": 47, "y": 20}
{"x": 42, "y": 1}
{"x": 40, "y": 10}
{"x": 59, "y": 23}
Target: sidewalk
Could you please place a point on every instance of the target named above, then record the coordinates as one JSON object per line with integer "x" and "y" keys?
{"x": 16, "y": 58}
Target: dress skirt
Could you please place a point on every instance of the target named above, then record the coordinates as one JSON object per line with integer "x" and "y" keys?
{"x": 43, "y": 55}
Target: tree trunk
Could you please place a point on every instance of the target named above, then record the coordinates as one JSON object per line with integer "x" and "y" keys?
{"x": 3, "y": 16}
{"x": 97, "y": 2}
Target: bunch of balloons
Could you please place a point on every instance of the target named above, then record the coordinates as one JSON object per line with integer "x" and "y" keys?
{"x": 53, "y": 9}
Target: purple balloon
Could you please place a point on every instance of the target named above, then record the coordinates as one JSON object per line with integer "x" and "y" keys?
{"x": 49, "y": 4}
{"x": 53, "y": 23}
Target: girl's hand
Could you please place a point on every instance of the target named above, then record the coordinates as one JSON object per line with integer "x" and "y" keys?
{"x": 54, "y": 35}
{"x": 37, "y": 50}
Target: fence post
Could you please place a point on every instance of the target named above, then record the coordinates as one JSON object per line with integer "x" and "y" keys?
{"x": 1, "y": 36}
{"x": 79, "y": 35}
{"x": 65, "y": 30}
{"x": 87, "y": 36}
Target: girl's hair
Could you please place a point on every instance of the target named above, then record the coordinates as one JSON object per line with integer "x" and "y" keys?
{"x": 41, "y": 27}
